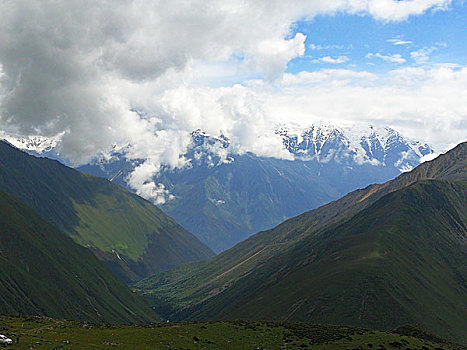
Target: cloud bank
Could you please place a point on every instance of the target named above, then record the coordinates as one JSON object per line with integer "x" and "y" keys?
{"x": 128, "y": 72}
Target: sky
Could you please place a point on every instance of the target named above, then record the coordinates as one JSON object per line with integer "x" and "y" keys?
{"x": 436, "y": 36}
{"x": 145, "y": 73}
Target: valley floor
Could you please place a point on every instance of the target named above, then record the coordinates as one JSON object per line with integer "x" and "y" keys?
{"x": 46, "y": 333}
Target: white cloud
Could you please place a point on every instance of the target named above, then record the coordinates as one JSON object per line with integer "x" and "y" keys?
{"x": 331, "y": 60}
{"x": 73, "y": 73}
{"x": 271, "y": 56}
{"x": 423, "y": 55}
{"x": 389, "y": 10}
{"x": 325, "y": 47}
{"x": 396, "y": 58}
{"x": 399, "y": 42}
{"x": 428, "y": 157}
{"x": 337, "y": 76}
{"x": 423, "y": 103}
{"x": 139, "y": 179}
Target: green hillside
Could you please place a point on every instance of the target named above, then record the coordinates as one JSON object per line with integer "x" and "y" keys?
{"x": 379, "y": 257}
{"x": 43, "y": 272}
{"x": 44, "y": 333}
{"x": 130, "y": 234}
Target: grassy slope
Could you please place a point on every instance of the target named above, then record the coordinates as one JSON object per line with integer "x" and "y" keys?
{"x": 258, "y": 278}
{"x": 260, "y": 247}
{"x": 224, "y": 204}
{"x": 383, "y": 268}
{"x": 99, "y": 214}
{"x": 41, "y": 333}
{"x": 43, "y": 272}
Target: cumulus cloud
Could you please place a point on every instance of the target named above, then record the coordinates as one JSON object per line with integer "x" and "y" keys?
{"x": 140, "y": 180}
{"x": 389, "y": 10}
{"x": 331, "y": 60}
{"x": 236, "y": 111}
{"x": 72, "y": 73}
{"x": 426, "y": 103}
{"x": 125, "y": 71}
{"x": 272, "y": 56}
{"x": 396, "y": 58}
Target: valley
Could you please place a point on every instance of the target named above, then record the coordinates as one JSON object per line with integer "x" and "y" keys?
{"x": 223, "y": 197}
{"x": 231, "y": 174}
{"x": 380, "y": 256}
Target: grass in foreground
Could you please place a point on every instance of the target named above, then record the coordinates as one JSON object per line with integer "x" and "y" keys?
{"x": 46, "y": 333}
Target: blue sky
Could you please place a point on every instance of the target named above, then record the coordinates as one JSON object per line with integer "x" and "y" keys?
{"x": 442, "y": 32}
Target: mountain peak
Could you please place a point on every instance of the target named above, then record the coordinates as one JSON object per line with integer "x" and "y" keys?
{"x": 380, "y": 146}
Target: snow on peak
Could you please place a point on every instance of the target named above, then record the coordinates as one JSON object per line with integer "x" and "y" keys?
{"x": 360, "y": 143}
{"x": 349, "y": 145}
{"x": 34, "y": 143}
{"x": 210, "y": 150}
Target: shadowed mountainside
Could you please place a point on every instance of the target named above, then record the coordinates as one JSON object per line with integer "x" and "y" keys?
{"x": 43, "y": 272}
{"x": 130, "y": 234}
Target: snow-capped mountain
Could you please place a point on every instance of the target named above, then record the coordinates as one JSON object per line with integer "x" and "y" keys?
{"x": 37, "y": 144}
{"x": 209, "y": 150}
{"x": 358, "y": 144}
{"x": 222, "y": 196}
{"x": 324, "y": 143}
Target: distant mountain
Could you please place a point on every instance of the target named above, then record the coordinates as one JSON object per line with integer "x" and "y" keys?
{"x": 354, "y": 145}
{"x": 43, "y": 272}
{"x": 378, "y": 257}
{"x": 38, "y": 146}
{"x": 129, "y": 233}
{"x": 223, "y": 197}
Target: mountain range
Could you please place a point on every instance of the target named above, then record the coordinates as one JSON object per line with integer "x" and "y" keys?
{"x": 132, "y": 236}
{"x": 379, "y": 257}
{"x": 223, "y": 197}
{"x": 382, "y": 256}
